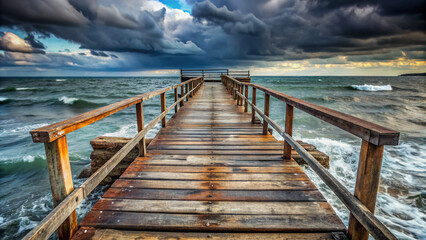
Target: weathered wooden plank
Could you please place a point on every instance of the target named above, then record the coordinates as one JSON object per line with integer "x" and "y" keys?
{"x": 206, "y": 222}
{"x": 212, "y": 169}
{"x": 86, "y": 233}
{"x": 219, "y": 185}
{"x": 212, "y": 207}
{"x": 215, "y": 176}
{"x": 215, "y": 195}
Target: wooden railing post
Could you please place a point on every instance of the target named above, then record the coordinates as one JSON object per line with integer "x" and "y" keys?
{"x": 234, "y": 89}
{"x": 191, "y": 87}
{"x": 289, "y": 110}
{"x": 241, "y": 92}
{"x": 245, "y": 100}
{"x": 163, "y": 108}
{"x": 182, "y": 93}
{"x": 139, "y": 119}
{"x": 253, "y": 100}
{"x": 266, "y": 112}
{"x": 186, "y": 91}
{"x": 60, "y": 177}
{"x": 367, "y": 185}
{"x": 176, "y": 98}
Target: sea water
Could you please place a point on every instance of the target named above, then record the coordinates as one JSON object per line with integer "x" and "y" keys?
{"x": 398, "y": 103}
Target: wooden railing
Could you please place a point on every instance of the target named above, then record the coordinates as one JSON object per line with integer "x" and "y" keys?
{"x": 214, "y": 74}
{"x": 362, "y": 203}
{"x": 65, "y": 198}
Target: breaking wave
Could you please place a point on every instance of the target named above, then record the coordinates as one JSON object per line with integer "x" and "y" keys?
{"x": 372, "y": 88}
{"x": 77, "y": 102}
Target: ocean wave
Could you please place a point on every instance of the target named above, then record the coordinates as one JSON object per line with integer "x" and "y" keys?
{"x": 61, "y": 79}
{"x": 76, "y": 102}
{"x": 68, "y": 100}
{"x": 13, "y": 89}
{"x": 372, "y": 88}
{"x": 4, "y": 100}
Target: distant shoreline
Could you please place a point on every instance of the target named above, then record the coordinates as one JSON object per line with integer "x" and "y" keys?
{"x": 412, "y": 74}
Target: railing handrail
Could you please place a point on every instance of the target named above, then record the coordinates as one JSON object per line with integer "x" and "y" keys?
{"x": 56, "y": 130}
{"x": 357, "y": 207}
{"x": 368, "y": 131}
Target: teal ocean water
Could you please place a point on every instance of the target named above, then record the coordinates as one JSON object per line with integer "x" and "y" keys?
{"x": 398, "y": 103}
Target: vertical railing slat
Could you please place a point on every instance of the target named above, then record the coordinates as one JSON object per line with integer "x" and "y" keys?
{"x": 245, "y": 100}
{"x": 253, "y": 100}
{"x": 266, "y": 112}
{"x": 289, "y": 110}
{"x": 61, "y": 184}
{"x": 366, "y": 185}
{"x": 140, "y": 123}
{"x": 163, "y": 108}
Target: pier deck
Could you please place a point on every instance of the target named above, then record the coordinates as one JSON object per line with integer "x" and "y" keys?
{"x": 212, "y": 174}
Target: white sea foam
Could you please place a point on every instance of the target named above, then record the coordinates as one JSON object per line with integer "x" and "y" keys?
{"x": 124, "y": 131}
{"x": 3, "y": 99}
{"x": 60, "y": 80}
{"x": 20, "y": 130}
{"x": 67, "y": 100}
{"x": 372, "y": 88}
{"x": 130, "y": 131}
{"x": 26, "y": 89}
{"x": 28, "y": 158}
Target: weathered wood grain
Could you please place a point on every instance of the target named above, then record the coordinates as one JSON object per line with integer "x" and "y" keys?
{"x": 114, "y": 234}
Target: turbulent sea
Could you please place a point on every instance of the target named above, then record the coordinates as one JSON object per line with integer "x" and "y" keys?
{"x": 398, "y": 103}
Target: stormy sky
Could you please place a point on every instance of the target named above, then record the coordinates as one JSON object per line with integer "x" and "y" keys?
{"x": 269, "y": 37}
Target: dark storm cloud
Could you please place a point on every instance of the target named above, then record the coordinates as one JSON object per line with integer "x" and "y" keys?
{"x": 34, "y": 42}
{"x": 230, "y": 21}
{"x": 225, "y": 32}
{"x": 99, "y": 53}
{"x": 119, "y": 26}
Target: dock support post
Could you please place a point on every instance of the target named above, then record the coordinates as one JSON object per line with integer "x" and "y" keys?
{"x": 191, "y": 86}
{"x": 367, "y": 185}
{"x": 245, "y": 100}
{"x": 253, "y": 100}
{"x": 176, "y": 98}
{"x": 266, "y": 112}
{"x": 139, "y": 119}
{"x": 163, "y": 108}
{"x": 289, "y": 110}
{"x": 60, "y": 177}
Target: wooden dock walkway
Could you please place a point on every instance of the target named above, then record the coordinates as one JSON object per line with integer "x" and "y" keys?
{"x": 212, "y": 170}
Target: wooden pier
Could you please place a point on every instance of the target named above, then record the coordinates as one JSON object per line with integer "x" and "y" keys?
{"x": 214, "y": 172}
